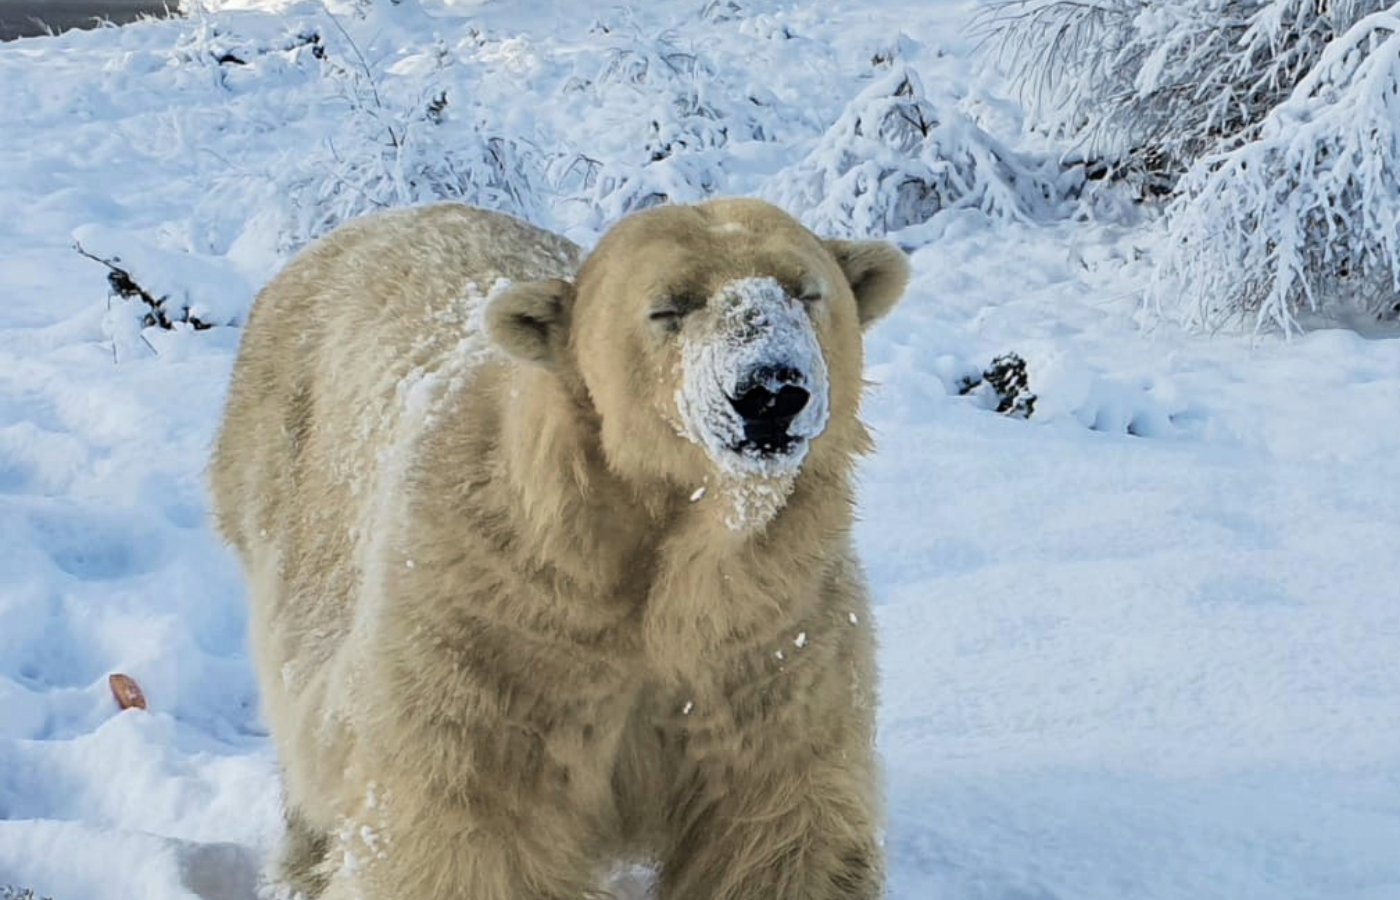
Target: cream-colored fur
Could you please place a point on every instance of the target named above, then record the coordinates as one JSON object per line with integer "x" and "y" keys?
{"x": 503, "y": 636}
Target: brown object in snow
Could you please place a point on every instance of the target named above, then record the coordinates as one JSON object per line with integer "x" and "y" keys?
{"x": 126, "y": 691}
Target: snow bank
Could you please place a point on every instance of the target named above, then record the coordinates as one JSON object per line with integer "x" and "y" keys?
{"x": 193, "y": 288}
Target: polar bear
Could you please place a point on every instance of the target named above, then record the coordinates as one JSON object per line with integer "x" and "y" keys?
{"x": 550, "y": 561}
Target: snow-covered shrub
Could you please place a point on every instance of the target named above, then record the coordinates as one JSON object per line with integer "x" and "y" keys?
{"x": 1305, "y": 217}
{"x": 9, "y": 892}
{"x": 398, "y": 144}
{"x": 242, "y": 54}
{"x": 892, "y": 159}
{"x": 669, "y": 87}
{"x": 1145, "y": 87}
{"x": 385, "y": 158}
{"x": 676, "y": 115}
{"x": 207, "y": 43}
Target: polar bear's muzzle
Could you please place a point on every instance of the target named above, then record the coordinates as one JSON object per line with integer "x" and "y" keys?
{"x": 769, "y": 400}
{"x": 754, "y": 389}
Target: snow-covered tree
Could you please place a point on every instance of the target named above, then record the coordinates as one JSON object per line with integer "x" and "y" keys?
{"x": 1305, "y": 216}
{"x": 1145, "y": 87}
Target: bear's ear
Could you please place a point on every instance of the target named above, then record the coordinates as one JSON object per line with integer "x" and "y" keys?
{"x": 530, "y": 320}
{"x": 877, "y": 272}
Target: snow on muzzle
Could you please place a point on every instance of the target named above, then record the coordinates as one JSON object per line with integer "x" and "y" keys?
{"x": 754, "y": 387}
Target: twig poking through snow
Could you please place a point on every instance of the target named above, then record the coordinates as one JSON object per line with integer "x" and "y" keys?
{"x": 1009, "y": 385}
{"x": 123, "y": 285}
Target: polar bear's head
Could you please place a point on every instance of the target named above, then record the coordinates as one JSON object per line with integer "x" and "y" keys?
{"x": 718, "y": 342}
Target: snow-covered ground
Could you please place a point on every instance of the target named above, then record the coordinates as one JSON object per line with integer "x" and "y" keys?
{"x": 1145, "y": 644}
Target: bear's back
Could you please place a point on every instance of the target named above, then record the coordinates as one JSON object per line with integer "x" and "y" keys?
{"x": 357, "y": 329}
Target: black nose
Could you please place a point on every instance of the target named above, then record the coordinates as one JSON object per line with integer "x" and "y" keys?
{"x": 771, "y": 397}
{"x": 759, "y": 404}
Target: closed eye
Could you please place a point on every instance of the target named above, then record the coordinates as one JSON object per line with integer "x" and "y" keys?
{"x": 672, "y": 306}
{"x": 666, "y": 319}
{"x": 806, "y": 290}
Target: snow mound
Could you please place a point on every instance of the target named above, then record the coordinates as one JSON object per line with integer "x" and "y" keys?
{"x": 1068, "y": 389}
{"x": 1048, "y": 383}
{"x": 176, "y": 286}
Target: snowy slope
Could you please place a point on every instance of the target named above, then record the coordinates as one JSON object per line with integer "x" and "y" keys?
{"x": 1142, "y": 645}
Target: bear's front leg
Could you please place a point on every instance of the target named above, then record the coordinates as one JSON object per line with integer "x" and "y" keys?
{"x": 458, "y": 826}
{"x": 461, "y": 861}
{"x": 775, "y": 784}
{"x": 803, "y": 831}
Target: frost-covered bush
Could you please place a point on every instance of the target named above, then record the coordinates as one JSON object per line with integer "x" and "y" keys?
{"x": 208, "y": 44}
{"x": 385, "y": 118}
{"x": 675, "y": 117}
{"x": 398, "y": 144}
{"x": 667, "y": 87}
{"x": 1305, "y": 217}
{"x": 893, "y": 159}
{"x": 1145, "y": 87}
{"x": 9, "y": 892}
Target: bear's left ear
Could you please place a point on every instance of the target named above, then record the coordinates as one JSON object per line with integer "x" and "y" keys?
{"x": 530, "y": 320}
{"x": 877, "y": 272}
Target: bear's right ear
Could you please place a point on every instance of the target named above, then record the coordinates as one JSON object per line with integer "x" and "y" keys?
{"x": 530, "y": 320}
